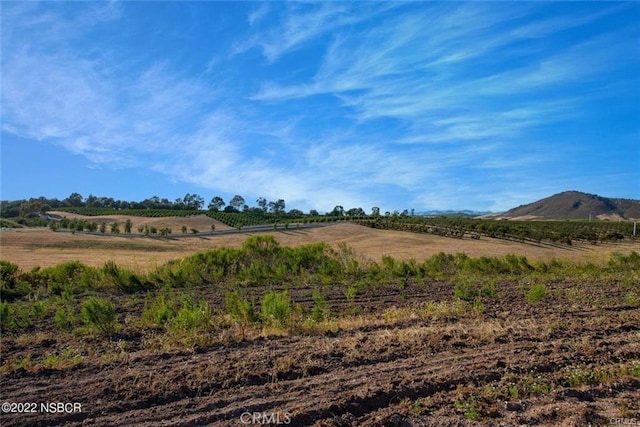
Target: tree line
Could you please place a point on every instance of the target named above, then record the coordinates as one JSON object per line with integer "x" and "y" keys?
{"x": 37, "y": 206}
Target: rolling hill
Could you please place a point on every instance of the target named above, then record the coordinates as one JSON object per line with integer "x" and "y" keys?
{"x": 577, "y": 205}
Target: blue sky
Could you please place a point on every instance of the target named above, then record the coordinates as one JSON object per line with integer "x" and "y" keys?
{"x": 423, "y": 105}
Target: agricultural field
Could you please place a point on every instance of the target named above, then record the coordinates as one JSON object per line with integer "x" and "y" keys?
{"x": 342, "y": 325}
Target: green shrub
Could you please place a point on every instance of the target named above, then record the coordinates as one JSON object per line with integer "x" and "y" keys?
{"x": 99, "y": 314}
{"x": 320, "y": 310}
{"x": 125, "y": 280}
{"x": 489, "y": 290}
{"x": 39, "y": 310}
{"x": 465, "y": 291}
{"x": 72, "y": 275}
{"x": 350, "y": 293}
{"x": 191, "y": 317}
{"x": 12, "y": 285}
{"x": 65, "y": 318}
{"x": 468, "y": 407}
{"x": 632, "y": 299}
{"x": 159, "y": 312}
{"x": 277, "y": 308}
{"x": 240, "y": 309}
{"x": 7, "y": 318}
{"x": 576, "y": 376}
{"x": 536, "y": 293}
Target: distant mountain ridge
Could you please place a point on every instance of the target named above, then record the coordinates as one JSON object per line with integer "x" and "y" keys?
{"x": 469, "y": 213}
{"x": 577, "y": 205}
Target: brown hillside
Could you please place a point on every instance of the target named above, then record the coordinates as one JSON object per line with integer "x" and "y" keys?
{"x": 577, "y": 205}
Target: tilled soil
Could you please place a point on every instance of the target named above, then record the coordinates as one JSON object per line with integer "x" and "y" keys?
{"x": 421, "y": 370}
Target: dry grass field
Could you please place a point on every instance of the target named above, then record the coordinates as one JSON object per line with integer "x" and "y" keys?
{"x": 43, "y": 247}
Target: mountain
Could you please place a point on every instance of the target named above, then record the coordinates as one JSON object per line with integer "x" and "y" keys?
{"x": 577, "y": 205}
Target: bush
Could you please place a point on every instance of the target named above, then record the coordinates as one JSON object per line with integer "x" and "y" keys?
{"x": 320, "y": 310}
{"x": 489, "y": 290}
{"x": 191, "y": 317}
{"x": 125, "y": 280}
{"x": 465, "y": 291}
{"x": 8, "y": 319}
{"x": 71, "y": 275}
{"x": 100, "y": 314}
{"x": 536, "y": 293}
{"x": 632, "y": 298}
{"x": 159, "y": 312}
{"x": 64, "y": 318}
{"x": 240, "y": 309}
{"x": 277, "y": 308}
{"x": 12, "y": 286}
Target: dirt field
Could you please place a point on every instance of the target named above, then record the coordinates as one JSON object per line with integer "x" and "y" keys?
{"x": 511, "y": 365}
{"x": 411, "y": 356}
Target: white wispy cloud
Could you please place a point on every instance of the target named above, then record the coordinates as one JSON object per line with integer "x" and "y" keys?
{"x": 413, "y": 98}
{"x": 409, "y": 71}
{"x": 83, "y": 103}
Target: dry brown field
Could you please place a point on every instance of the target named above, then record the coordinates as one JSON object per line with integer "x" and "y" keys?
{"x": 30, "y": 247}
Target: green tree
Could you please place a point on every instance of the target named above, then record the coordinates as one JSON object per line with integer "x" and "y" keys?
{"x": 279, "y": 206}
{"x": 237, "y": 202}
{"x": 127, "y": 226}
{"x": 355, "y": 212}
{"x": 216, "y": 204}
{"x": 74, "y": 200}
{"x": 337, "y": 211}
{"x": 193, "y": 201}
{"x": 262, "y": 204}
{"x": 90, "y": 200}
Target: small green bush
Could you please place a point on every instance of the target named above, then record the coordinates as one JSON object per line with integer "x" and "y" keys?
{"x": 99, "y": 314}
{"x": 240, "y": 309}
{"x": 12, "y": 286}
{"x": 39, "y": 310}
{"x": 125, "y": 280}
{"x": 277, "y": 308}
{"x": 7, "y": 319}
{"x": 351, "y": 292}
{"x": 465, "y": 291}
{"x": 632, "y": 299}
{"x": 159, "y": 312}
{"x": 191, "y": 317}
{"x": 320, "y": 310}
{"x": 64, "y": 318}
{"x": 489, "y": 290}
{"x": 536, "y": 293}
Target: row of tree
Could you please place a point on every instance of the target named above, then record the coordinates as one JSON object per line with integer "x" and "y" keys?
{"x": 35, "y": 206}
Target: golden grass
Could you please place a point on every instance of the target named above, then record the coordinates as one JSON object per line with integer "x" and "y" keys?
{"x": 43, "y": 247}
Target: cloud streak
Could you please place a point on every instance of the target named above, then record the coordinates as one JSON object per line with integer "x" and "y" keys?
{"x": 322, "y": 103}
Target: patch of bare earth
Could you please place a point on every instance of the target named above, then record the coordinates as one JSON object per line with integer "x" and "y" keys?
{"x": 399, "y": 363}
